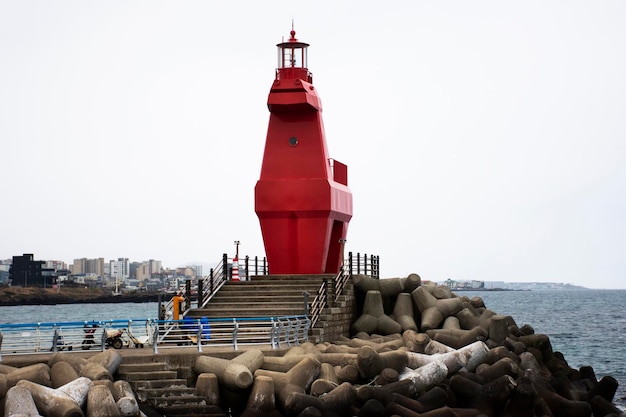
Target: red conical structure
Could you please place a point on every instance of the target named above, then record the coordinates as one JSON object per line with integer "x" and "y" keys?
{"x": 302, "y": 198}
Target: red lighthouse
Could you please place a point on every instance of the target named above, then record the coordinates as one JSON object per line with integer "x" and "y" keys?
{"x": 302, "y": 198}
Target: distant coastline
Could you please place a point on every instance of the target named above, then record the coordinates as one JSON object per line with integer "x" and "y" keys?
{"x": 486, "y": 289}
{"x": 17, "y": 296}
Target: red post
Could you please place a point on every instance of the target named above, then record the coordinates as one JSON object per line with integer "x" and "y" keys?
{"x": 235, "y": 274}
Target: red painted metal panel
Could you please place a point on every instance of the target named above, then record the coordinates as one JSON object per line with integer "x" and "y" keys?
{"x": 303, "y": 204}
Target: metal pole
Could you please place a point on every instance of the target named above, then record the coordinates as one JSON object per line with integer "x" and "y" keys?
{"x": 306, "y": 303}
{"x": 256, "y": 265}
{"x": 187, "y": 295}
{"x": 200, "y": 292}
{"x": 350, "y": 264}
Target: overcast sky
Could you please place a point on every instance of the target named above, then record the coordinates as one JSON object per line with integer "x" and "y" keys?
{"x": 484, "y": 140}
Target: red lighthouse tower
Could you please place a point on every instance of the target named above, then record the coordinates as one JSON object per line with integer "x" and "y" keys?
{"x": 302, "y": 198}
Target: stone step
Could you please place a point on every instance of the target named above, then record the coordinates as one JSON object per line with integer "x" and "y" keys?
{"x": 147, "y": 376}
{"x": 244, "y": 302}
{"x": 260, "y": 298}
{"x": 158, "y": 383}
{"x": 126, "y": 368}
{"x": 177, "y": 400}
{"x": 193, "y": 411}
{"x": 276, "y": 295}
{"x": 244, "y": 312}
{"x": 144, "y": 393}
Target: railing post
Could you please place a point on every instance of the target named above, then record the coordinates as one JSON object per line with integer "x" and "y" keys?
{"x": 266, "y": 270}
{"x": 273, "y": 335}
{"x": 225, "y": 267}
{"x": 358, "y": 263}
{"x": 326, "y": 292}
{"x": 155, "y": 338}
{"x": 306, "y": 303}
{"x": 211, "y": 282}
{"x": 247, "y": 262}
{"x": 350, "y": 265}
{"x": 235, "y": 331}
{"x": 103, "y": 339}
{"x": 256, "y": 265}
{"x": 378, "y": 266}
{"x": 199, "y": 336}
{"x": 55, "y": 339}
{"x": 200, "y": 292}
{"x": 187, "y": 294}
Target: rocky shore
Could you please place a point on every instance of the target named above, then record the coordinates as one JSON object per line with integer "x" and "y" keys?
{"x": 416, "y": 350}
{"x": 16, "y": 296}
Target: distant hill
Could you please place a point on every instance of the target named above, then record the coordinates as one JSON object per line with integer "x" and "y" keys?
{"x": 14, "y": 296}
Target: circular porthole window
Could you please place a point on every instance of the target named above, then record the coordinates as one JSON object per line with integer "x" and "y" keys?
{"x": 293, "y": 141}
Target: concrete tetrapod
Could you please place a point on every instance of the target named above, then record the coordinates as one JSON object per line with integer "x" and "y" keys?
{"x": 19, "y": 402}
{"x": 337, "y": 401}
{"x": 414, "y": 341}
{"x": 371, "y": 363}
{"x": 61, "y": 373}
{"x": 77, "y": 390}
{"x": 102, "y": 365}
{"x": 297, "y": 379}
{"x": 559, "y": 406}
{"x": 457, "y": 338}
{"x": 235, "y": 374}
{"x": 374, "y": 319}
{"x": 433, "y": 310}
{"x": 427, "y": 376}
{"x": 326, "y": 382}
{"x": 100, "y": 403}
{"x": 262, "y": 399}
{"x": 52, "y": 402}
{"x": 207, "y": 386}
{"x": 125, "y": 398}
{"x": 38, "y": 373}
{"x": 489, "y": 398}
{"x": 403, "y": 312}
{"x": 388, "y": 287}
{"x": 470, "y": 357}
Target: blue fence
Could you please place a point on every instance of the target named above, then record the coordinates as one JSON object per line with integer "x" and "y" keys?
{"x": 275, "y": 332}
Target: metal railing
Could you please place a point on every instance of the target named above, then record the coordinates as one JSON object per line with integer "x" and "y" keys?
{"x": 364, "y": 264}
{"x": 319, "y": 303}
{"x": 72, "y": 336}
{"x": 30, "y": 338}
{"x": 209, "y": 285}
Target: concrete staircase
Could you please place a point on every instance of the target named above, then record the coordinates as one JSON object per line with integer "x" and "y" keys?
{"x": 282, "y": 295}
{"x": 162, "y": 392}
{"x": 264, "y": 296}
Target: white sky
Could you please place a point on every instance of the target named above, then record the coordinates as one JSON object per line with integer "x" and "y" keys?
{"x": 484, "y": 140}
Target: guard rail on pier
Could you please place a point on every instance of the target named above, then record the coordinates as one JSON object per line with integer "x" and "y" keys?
{"x": 275, "y": 332}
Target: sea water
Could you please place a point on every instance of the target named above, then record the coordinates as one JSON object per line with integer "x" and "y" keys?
{"x": 78, "y": 312}
{"x": 587, "y": 326}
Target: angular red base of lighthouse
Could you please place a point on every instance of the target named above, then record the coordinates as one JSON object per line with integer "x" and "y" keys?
{"x": 302, "y": 198}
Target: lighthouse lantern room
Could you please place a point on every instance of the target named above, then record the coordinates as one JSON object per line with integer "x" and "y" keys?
{"x": 292, "y": 60}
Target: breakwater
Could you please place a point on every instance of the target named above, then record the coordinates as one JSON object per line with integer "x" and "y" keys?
{"x": 519, "y": 364}
{"x": 17, "y": 296}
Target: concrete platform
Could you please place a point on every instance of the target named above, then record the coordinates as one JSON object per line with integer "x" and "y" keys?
{"x": 174, "y": 356}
